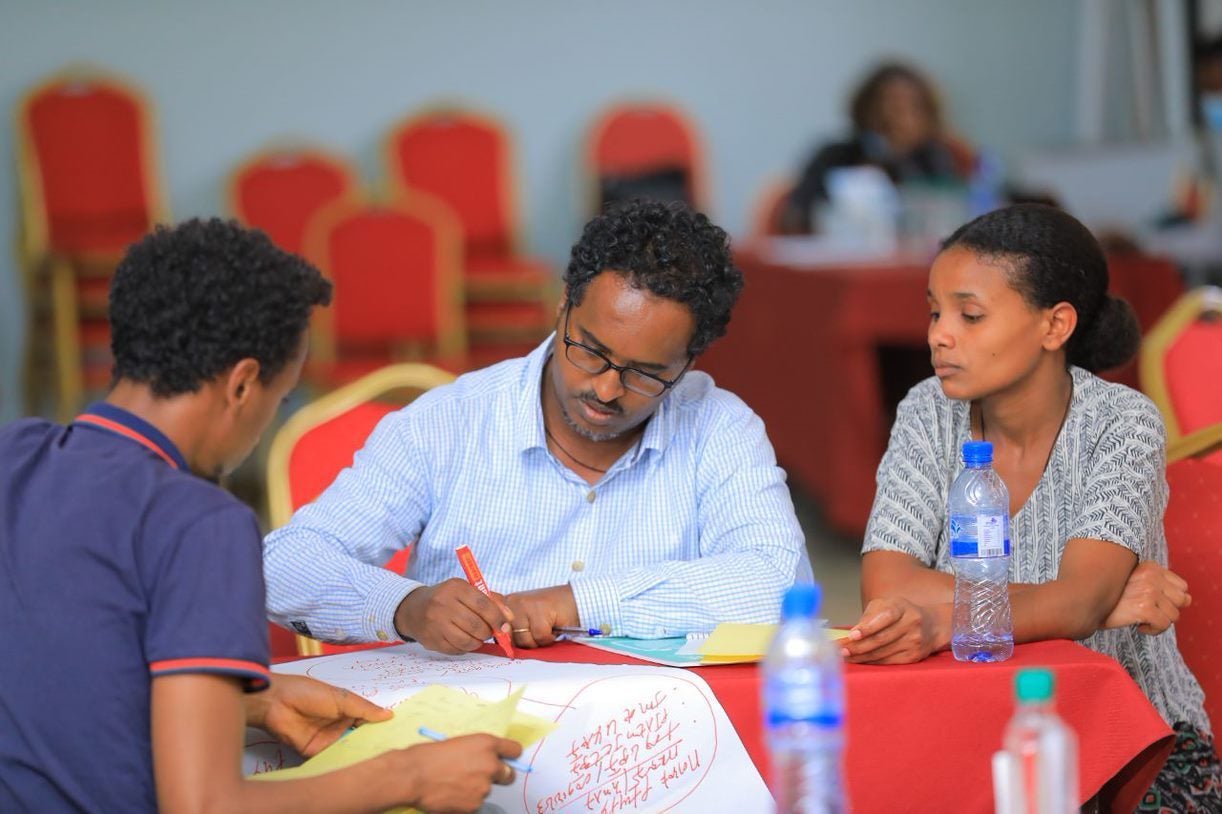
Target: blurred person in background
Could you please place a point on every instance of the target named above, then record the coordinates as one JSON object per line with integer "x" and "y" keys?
{"x": 898, "y": 127}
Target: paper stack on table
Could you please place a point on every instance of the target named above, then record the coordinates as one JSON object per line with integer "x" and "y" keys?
{"x": 728, "y": 643}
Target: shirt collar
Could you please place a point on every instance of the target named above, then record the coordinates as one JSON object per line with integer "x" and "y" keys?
{"x": 529, "y": 422}
{"x": 114, "y": 419}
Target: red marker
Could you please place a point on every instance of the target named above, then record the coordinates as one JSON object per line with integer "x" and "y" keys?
{"x": 476, "y": 577}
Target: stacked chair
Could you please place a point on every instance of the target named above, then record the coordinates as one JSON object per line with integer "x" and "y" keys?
{"x": 464, "y": 159}
{"x": 397, "y": 271}
{"x": 280, "y": 189}
{"x": 89, "y": 185}
{"x": 645, "y": 150}
{"x": 319, "y": 441}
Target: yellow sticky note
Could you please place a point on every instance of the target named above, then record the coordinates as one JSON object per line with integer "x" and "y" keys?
{"x": 442, "y": 709}
{"x": 527, "y": 729}
{"x": 738, "y": 641}
{"x": 732, "y": 642}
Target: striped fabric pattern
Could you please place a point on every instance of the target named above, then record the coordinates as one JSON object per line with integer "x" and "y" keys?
{"x": 254, "y": 676}
{"x": 1105, "y": 481}
{"x": 691, "y": 527}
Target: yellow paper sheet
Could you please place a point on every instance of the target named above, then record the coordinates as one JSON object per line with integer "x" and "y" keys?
{"x": 732, "y": 642}
{"x": 436, "y": 707}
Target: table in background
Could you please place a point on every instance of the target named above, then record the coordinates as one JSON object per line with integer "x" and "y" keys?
{"x": 802, "y": 350}
{"x": 921, "y": 736}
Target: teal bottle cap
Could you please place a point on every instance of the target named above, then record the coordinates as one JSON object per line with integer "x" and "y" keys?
{"x": 1033, "y": 685}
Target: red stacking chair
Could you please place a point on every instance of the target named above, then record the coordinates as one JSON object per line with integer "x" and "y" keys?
{"x": 1181, "y": 365}
{"x": 279, "y": 190}
{"x": 1194, "y": 539}
{"x": 88, "y": 182}
{"x": 397, "y": 288}
{"x": 465, "y": 159}
{"x": 319, "y": 441}
{"x": 647, "y": 149}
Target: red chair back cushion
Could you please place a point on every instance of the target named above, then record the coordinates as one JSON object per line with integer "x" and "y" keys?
{"x": 1194, "y": 537}
{"x": 326, "y": 449}
{"x": 385, "y": 265}
{"x": 641, "y": 139}
{"x": 1193, "y": 367}
{"x": 464, "y": 162}
{"x": 317, "y": 458}
{"x": 89, "y": 144}
{"x": 282, "y": 192}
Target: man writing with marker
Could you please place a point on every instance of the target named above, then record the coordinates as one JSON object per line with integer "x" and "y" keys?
{"x": 600, "y": 481}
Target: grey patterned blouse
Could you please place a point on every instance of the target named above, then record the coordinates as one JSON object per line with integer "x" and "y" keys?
{"x": 1105, "y": 480}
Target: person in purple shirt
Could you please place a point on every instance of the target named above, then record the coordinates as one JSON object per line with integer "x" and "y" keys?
{"x": 131, "y": 587}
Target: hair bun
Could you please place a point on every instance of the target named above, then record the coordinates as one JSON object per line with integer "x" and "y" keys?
{"x": 1111, "y": 340}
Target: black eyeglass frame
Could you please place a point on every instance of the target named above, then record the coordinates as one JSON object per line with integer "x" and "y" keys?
{"x": 620, "y": 369}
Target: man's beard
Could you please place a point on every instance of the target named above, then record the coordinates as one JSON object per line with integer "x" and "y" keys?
{"x": 585, "y": 432}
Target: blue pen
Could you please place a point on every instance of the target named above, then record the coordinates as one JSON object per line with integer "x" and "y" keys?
{"x": 582, "y": 631}
{"x": 434, "y": 735}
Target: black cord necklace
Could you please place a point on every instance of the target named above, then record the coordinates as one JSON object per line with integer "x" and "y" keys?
{"x": 1064, "y": 418}
{"x": 570, "y": 455}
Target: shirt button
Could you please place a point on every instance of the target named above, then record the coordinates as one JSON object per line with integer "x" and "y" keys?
{"x": 382, "y": 635}
{"x": 578, "y": 565}
{"x": 590, "y": 496}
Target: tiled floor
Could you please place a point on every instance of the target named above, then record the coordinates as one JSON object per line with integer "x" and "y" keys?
{"x": 836, "y": 560}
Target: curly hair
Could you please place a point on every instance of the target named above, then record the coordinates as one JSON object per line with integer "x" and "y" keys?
{"x": 668, "y": 250}
{"x": 864, "y": 106}
{"x": 1053, "y": 258}
{"x": 188, "y": 302}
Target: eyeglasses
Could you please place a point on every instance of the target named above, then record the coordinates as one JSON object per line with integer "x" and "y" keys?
{"x": 594, "y": 362}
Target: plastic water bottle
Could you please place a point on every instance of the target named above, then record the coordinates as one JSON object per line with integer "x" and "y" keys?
{"x": 803, "y": 701}
{"x": 981, "y": 627}
{"x": 1037, "y": 770}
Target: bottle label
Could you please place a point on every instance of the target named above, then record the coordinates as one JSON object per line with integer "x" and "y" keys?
{"x": 979, "y": 535}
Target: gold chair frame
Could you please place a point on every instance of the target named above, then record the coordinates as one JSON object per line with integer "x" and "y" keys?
{"x": 700, "y": 183}
{"x": 1203, "y": 300}
{"x": 450, "y": 344}
{"x": 405, "y": 376}
{"x": 34, "y": 252}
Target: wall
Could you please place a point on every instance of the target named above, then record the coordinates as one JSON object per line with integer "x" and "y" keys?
{"x": 763, "y": 80}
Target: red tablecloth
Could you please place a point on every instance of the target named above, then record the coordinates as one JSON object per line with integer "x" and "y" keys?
{"x": 802, "y": 351}
{"x": 921, "y": 736}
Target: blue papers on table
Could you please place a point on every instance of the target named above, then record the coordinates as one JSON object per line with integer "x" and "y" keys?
{"x": 729, "y": 643}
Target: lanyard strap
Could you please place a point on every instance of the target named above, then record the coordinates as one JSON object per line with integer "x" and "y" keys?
{"x": 127, "y": 432}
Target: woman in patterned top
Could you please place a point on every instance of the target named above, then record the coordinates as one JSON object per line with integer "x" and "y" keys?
{"x": 1020, "y": 320}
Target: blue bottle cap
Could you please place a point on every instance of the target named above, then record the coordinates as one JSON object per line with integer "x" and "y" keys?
{"x": 801, "y": 601}
{"x": 978, "y": 452}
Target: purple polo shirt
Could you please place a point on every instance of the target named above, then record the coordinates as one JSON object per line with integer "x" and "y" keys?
{"x": 117, "y": 565}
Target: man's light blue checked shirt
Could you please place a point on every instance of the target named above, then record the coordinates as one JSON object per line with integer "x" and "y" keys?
{"x": 691, "y": 527}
